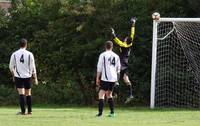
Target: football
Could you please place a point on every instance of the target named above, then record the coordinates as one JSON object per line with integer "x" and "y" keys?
{"x": 156, "y": 16}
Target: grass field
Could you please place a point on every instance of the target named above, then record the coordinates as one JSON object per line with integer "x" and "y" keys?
{"x": 84, "y": 116}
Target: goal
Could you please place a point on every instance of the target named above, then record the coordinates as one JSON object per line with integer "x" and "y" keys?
{"x": 175, "y": 75}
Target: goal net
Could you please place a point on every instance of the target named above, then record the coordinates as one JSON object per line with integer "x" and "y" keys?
{"x": 175, "y": 78}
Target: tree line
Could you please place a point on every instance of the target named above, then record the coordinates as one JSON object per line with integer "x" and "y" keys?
{"x": 66, "y": 37}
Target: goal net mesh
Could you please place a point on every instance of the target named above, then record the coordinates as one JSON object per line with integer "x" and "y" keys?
{"x": 178, "y": 65}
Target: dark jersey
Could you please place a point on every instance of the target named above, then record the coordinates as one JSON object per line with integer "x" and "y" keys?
{"x": 125, "y": 49}
{"x": 124, "y": 55}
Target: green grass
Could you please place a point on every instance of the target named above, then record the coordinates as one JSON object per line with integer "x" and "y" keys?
{"x": 85, "y": 116}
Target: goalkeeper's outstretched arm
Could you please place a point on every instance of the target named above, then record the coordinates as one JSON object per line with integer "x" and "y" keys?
{"x": 132, "y": 34}
{"x": 120, "y": 43}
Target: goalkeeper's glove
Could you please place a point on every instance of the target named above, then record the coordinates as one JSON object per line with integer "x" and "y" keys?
{"x": 133, "y": 21}
{"x": 113, "y": 32}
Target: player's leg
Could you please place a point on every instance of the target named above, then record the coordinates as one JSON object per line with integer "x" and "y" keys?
{"x": 124, "y": 76}
{"x": 21, "y": 92}
{"x": 28, "y": 100}
{"x": 102, "y": 92}
{"x": 101, "y": 102}
{"x": 28, "y": 85}
{"x": 110, "y": 98}
{"x": 21, "y": 100}
{"x": 116, "y": 87}
{"x": 129, "y": 85}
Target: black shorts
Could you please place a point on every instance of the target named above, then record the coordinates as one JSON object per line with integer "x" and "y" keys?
{"x": 23, "y": 83}
{"x": 122, "y": 72}
{"x": 107, "y": 86}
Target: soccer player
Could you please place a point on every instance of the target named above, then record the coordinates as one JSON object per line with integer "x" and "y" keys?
{"x": 107, "y": 69}
{"x": 125, "y": 49}
{"x": 22, "y": 67}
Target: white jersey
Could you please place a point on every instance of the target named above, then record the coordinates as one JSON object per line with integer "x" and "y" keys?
{"x": 22, "y": 63}
{"x": 108, "y": 65}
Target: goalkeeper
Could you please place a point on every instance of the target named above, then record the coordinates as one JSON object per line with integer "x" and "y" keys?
{"x": 125, "y": 49}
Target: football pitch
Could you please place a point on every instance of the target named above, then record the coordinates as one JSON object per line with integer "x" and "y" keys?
{"x": 85, "y": 116}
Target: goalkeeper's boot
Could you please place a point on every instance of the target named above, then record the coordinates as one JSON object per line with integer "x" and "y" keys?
{"x": 130, "y": 98}
{"x": 111, "y": 115}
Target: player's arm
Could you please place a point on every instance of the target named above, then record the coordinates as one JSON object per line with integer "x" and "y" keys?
{"x": 118, "y": 41}
{"x": 99, "y": 70}
{"x": 132, "y": 33}
{"x": 12, "y": 66}
{"x": 98, "y": 78}
{"x": 34, "y": 74}
{"x": 121, "y": 44}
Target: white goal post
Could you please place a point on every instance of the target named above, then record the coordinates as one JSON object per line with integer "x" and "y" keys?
{"x": 175, "y": 66}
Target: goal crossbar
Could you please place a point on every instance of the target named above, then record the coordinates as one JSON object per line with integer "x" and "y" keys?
{"x": 179, "y": 20}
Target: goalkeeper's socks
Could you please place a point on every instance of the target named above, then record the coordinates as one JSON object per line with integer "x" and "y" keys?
{"x": 22, "y": 103}
{"x": 111, "y": 105}
{"x": 101, "y": 104}
{"x": 29, "y": 103}
{"x": 130, "y": 90}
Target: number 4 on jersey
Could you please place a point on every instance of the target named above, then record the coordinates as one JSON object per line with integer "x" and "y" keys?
{"x": 112, "y": 62}
{"x": 22, "y": 59}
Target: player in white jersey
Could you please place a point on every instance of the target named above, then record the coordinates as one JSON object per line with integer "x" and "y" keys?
{"x": 108, "y": 68}
{"x": 22, "y": 67}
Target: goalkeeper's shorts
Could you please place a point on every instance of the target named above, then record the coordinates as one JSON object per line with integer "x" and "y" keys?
{"x": 122, "y": 72}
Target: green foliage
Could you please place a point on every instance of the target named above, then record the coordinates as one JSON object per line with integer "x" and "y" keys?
{"x": 8, "y": 95}
{"x": 67, "y": 36}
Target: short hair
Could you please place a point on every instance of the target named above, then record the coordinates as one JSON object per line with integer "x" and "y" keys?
{"x": 23, "y": 42}
{"x": 108, "y": 44}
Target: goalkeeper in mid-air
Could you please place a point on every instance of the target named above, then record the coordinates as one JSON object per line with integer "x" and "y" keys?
{"x": 125, "y": 49}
